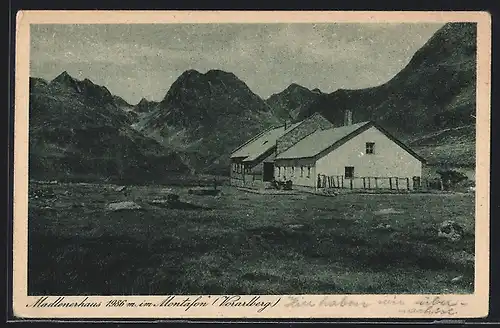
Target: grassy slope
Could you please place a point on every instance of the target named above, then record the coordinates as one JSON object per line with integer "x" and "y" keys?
{"x": 454, "y": 147}
{"x": 242, "y": 243}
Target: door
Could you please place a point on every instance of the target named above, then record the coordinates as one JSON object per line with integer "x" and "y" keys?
{"x": 268, "y": 172}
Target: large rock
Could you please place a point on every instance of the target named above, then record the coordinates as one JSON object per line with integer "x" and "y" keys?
{"x": 451, "y": 230}
{"x": 387, "y": 211}
{"x": 122, "y": 206}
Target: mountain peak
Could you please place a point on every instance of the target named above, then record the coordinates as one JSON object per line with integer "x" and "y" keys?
{"x": 142, "y": 101}
{"x": 145, "y": 105}
{"x": 63, "y": 77}
{"x": 190, "y": 72}
{"x": 218, "y": 73}
{"x": 296, "y": 87}
{"x": 65, "y": 74}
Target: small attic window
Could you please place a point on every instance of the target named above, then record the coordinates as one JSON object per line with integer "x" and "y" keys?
{"x": 264, "y": 142}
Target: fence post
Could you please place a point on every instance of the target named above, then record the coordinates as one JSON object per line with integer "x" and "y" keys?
{"x": 364, "y": 183}
{"x": 390, "y": 183}
{"x": 397, "y": 183}
{"x": 376, "y": 183}
{"x": 342, "y": 179}
{"x": 369, "y": 183}
{"x": 408, "y": 183}
{"x": 350, "y": 181}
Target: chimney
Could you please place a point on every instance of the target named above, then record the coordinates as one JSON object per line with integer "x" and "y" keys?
{"x": 348, "y": 118}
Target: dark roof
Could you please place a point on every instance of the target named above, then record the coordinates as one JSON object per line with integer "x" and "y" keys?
{"x": 262, "y": 143}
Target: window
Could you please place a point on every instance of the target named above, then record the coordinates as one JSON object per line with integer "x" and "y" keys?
{"x": 301, "y": 171}
{"x": 308, "y": 171}
{"x": 349, "y": 172}
{"x": 370, "y": 147}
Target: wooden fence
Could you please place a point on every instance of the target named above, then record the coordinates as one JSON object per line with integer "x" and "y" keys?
{"x": 391, "y": 183}
{"x": 248, "y": 179}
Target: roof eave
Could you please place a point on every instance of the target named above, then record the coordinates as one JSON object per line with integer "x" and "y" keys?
{"x": 252, "y": 139}
{"x": 234, "y": 157}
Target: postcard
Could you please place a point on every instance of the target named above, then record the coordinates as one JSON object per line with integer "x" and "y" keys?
{"x": 263, "y": 164}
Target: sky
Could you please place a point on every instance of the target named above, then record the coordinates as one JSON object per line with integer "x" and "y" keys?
{"x": 136, "y": 61}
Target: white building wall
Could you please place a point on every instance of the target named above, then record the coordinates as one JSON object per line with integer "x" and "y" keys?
{"x": 388, "y": 160}
{"x": 291, "y": 170}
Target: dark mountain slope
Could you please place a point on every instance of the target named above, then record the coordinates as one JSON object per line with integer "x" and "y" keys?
{"x": 126, "y": 107}
{"x": 76, "y": 129}
{"x": 122, "y": 103}
{"x": 145, "y": 106}
{"x": 289, "y": 103}
{"x": 205, "y": 116}
{"x": 435, "y": 91}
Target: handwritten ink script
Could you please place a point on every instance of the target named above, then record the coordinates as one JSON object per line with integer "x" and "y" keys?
{"x": 327, "y": 301}
{"x": 185, "y": 302}
{"x": 397, "y": 304}
{"x": 435, "y": 305}
{"x": 427, "y": 305}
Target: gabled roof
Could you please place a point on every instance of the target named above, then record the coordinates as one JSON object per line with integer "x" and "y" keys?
{"x": 318, "y": 141}
{"x": 262, "y": 143}
{"x": 330, "y": 139}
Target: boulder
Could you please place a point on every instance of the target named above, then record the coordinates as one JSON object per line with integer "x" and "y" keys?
{"x": 119, "y": 188}
{"x": 329, "y": 191}
{"x": 172, "y": 197}
{"x": 382, "y": 226}
{"x": 386, "y": 211}
{"x": 204, "y": 191}
{"x": 122, "y": 206}
{"x": 450, "y": 230}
